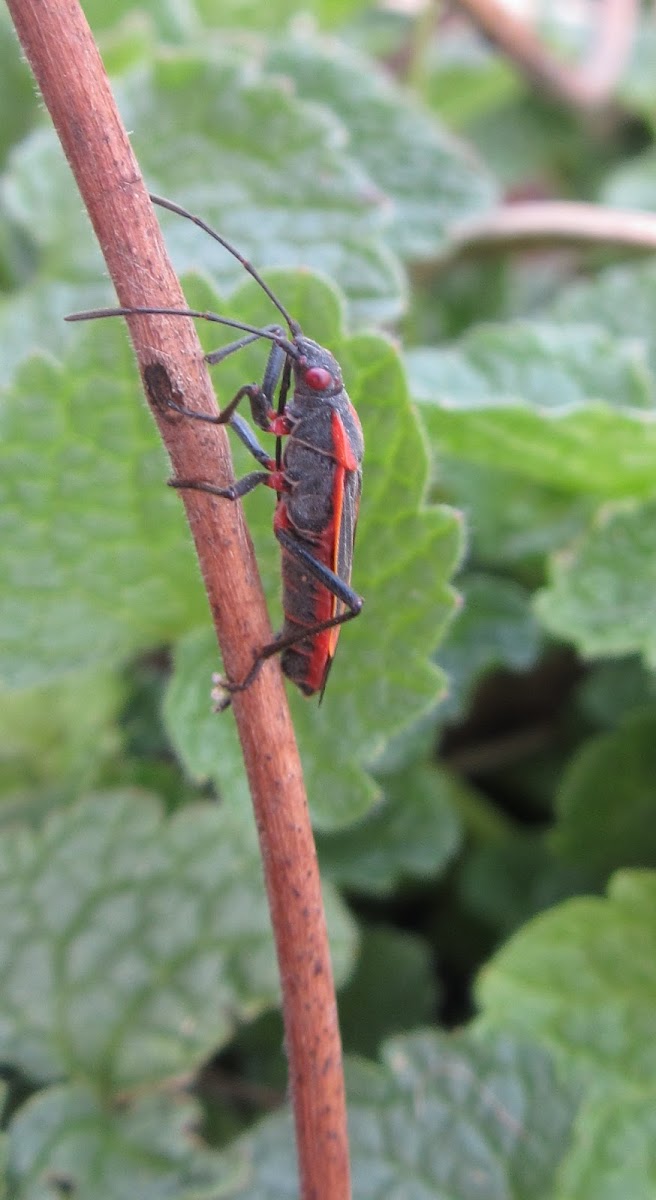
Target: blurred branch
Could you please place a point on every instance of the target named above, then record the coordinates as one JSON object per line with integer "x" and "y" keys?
{"x": 557, "y": 220}
{"x": 586, "y": 87}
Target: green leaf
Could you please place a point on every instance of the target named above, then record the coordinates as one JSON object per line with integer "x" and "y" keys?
{"x": 611, "y": 689}
{"x": 636, "y": 87}
{"x": 32, "y": 320}
{"x": 582, "y": 978}
{"x": 442, "y": 1118}
{"x": 494, "y": 629}
{"x": 621, "y": 300}
{"x": 607, "y": 800}
{"x": 466, "y": 78}
{"x": 129, "y": 945}
{"x": 88, "y": 531}
{"x": 601, "y": 592}
{"x": 413, "y": 834}
{"x": 59, "y": 732}
{"x": 398, "y": 970}
{"x": 506, "y": 879}
{"x": 171, "y": 20}
{"x": 64, "y": 1142}
{"x": 18, "y": 100}
{"x": 613, "y": 1154}
{"x": 405, "y": 554}
{"x": 569, "y": 407}
{"x": 511, "y": 518}
{"x": 632, "y": 184}
{"x": 432, "y": 180}
{"x": 264, "y": 15}
{"x": 268, "y": 170}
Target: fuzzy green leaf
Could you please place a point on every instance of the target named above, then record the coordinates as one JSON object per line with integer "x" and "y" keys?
{"x": 271, "y": 172}
{"x": 511, "y": 876}
{"x": 607, "y": 800}
{"x": 582, "y": 977}
{"x": 59, "y": 732}
{"x": 263, "y": 15}
{"x": 572, "y": 407}
{"x": 495, "y": 629}
{"x": 128, "y": 945}
{"x": 613, "y": 1155}
{"x": 619, "y": 300}
{"x": 511, "y": 519}
{"x": 611, "y": 689}
{"x": 64, "y": 1142}
{"x": 18, "y": 101}
{"x": 633, "y": 184}
{"x": 397, "y": 969}
{"x": 432, "y": 180}
{"x": 601, "y": 591}
{"x": 442, "y": 1118}
{"x": 413, "y": 834}
{"x": 88, "y": 532}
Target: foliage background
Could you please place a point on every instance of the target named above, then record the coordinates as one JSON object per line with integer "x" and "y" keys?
{"x": 482, "y": 785}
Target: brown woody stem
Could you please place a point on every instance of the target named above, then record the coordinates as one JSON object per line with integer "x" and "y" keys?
{"x": 60, "y": 49}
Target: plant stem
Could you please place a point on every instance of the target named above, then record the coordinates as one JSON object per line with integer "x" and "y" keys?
{"x": 60, "y": 49}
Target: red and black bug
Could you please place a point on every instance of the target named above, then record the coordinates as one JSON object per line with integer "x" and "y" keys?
{"x": 317, "y": 478}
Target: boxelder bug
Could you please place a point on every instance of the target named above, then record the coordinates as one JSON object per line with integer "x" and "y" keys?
{"x": 317, "y": 479}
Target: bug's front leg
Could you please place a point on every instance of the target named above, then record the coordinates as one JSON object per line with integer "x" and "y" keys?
{"x": 259, "y": 396}
{"x": 271, "y": 476}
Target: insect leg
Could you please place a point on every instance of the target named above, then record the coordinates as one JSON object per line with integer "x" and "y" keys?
{"x": 217, "y": 356}
{"x": 234, "y": 491}
{"x": 249, "y": 440}
{"x": 332, "y": 582}
{"x": 258, "y": 395}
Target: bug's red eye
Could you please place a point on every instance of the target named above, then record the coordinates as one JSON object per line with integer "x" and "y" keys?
{"x": 318, "y": 378}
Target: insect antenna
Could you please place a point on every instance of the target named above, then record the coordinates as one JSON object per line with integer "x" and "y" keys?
{"x": 294, "y": 326}
{"x": 94, "y": 314}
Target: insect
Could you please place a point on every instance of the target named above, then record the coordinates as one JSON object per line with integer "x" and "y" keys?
{"x": 317, "y": 478}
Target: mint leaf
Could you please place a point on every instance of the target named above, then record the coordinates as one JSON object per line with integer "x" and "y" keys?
{"x": 449, "y": 1118}
{"x": 611, "y": 689}
{"x": 510, "y": 518}
{"x": 65, "y": 1142}
{"x": 495, "y": 628}
{"x": 582, "y": 978}
{"x": 413, "y": 834}
{"x": 632, "y": 184}
{"x": 636, "y": 87}
{"x": 605, "y": 804}
{"x": 88, "y": 531}
{"x": 612, "y": 1155}
{"x": 268, "y": 170}
{"x": 569, "y": 407}
{"x": 262, "y": 14}
{"x": 600, "y": 593}
{"x": 432, "y": 180}
{"x": 32, "y": 320}
{"x": 60, "y": 732}
{"x": 17, "y": 95}
{"x": 509, "y": 877}
{"x": 621, "y": 300}
{"x": 405, "y": 554}
{"x": 466, "y": 80}
{"x": 129, "y": 945}
{"x": 397, "y": 969}
{"x": 172, "y": 21}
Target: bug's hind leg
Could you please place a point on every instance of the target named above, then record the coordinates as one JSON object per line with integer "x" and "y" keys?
{"x": 224, "y": 689}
